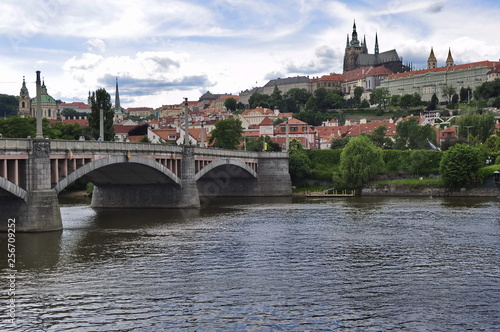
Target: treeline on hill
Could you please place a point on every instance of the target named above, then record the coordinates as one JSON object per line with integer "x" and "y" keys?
{"x": 324, "y": 104}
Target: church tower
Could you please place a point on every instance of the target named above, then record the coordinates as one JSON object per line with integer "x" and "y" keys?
{"x": 431, "y": 61}
{"x": 353, "y": 49}
{"x": 24, "y": 101}
{"x": 376, "y": 44}
{"x": 449, "y": 60}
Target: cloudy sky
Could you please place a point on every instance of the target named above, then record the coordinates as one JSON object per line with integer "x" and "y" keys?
{"x": 164, "y": 50}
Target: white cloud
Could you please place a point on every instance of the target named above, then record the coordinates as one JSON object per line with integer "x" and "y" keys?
{"x": 96, "y": 45}
{"x": 222, "y": 45}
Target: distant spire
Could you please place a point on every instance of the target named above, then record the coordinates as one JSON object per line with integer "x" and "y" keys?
{"x": 431, "y": 61}
{"x": 449, "y": 60}
{"x": 376, "y": 44}
{"x": 354, "y": 41}
{"x": 117, "y": 98}
{"x": 24, "y": 89}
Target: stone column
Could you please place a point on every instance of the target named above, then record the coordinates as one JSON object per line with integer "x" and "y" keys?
{"x": 40, "y": 213}
{"x": 189, "y": 193}
{"x": 273, "y": 176}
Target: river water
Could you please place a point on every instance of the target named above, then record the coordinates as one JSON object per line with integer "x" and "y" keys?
{"x": 288, "y": 264}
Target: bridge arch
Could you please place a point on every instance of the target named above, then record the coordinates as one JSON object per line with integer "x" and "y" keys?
{"x": 153, "y": 168}
{"x": 226, "y": 162}
{"x": 13, "y": 189}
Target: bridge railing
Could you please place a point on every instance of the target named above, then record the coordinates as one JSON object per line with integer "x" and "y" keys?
{"x": 15, "y": 144}
{"x": 23, "y": 144}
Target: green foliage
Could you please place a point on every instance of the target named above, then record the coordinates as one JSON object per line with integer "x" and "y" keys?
{"x": 360, "y": 160}
{"x": 411, "y": 135}
{"x": 17, "y": 127}
{"x": 396, "y": 160}
{"x": 101, "y": 99}
{"x": 459, "y": 165}
{"x": 8, "y": 105}
{"x": 474, "y": 123}
{"x": 380, "y": 97}
{"x": 378, "y": 137}
{"x": 488, "y": 90}
{"x": 434, "y": 102}
{"x": 258, "y": 100}
{"x": 230, "y": 104}
{"x": 300, "y": 166}
{"x": 486, "y": 172}
{"x": 258, "y": 144}
{"x": 324, "y": 163}
{"x": 424, "y": 162}
{"x": 447, "y": 92}
{"x": 311, "y": 117}
{"x": 339, "y": 143}
{"x": 70, "y": 113}
{"x": 145, "y": 139}
{"x": 227, "y": 134}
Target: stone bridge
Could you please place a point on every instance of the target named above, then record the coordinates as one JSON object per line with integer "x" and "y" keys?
{"x": 127, "y": 175}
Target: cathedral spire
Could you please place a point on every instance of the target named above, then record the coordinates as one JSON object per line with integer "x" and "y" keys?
{"x": 449, "y": 60}
{"x": 24, "y": 89}
{"x": 354, "y": 41}
{"x": 376, "y": 44}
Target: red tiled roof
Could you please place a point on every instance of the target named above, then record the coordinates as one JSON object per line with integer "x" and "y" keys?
{"x": 266, "y": 122}
{"x": 81, "y": 122}
{"x": 329, "y": 78}
{"x": 164, "y": 133}
{"x": 489, "y": 64}
{"x": 364, "y": 72}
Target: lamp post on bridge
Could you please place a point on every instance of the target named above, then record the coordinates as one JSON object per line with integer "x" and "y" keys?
{"x": 38, "y": 111}
{"x": 101, "y": 123}
{"x": 186, "y": 122}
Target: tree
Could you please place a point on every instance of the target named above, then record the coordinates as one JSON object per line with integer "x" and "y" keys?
{"x": 311, "y": 117}
{"x": 465, "y": 94}
{"x": 258, "y": 100}
{"x": 8, "y": 105}
{"x": 258, "y": 145}
{"x": 416, "y": 99}
{"x": 434, "y": 102}
{"x": 379, "y": 97}
{"x": 378, "y": 136}
{"x": 447, "y": 92}
{"x": 395, "y": 100}
{"x": 360, "y": 160}
{"x": 276, "y": 99}
{"x": 488, "y": 90}
{"x": 227, "y": 134}
{"x": 230, "y": 104}
{"x": 478, "y": 125}
{"x": 358, "y": 92}
{"x": 405, "y": 101}
{"x": 459, "y": 166}
{"x": 339, "y": 143}
{"x": 410, "y": 135}
{"x": 139, "y": 130}
{"x": 101, "y": 99}
{"x": 299, "y": 164}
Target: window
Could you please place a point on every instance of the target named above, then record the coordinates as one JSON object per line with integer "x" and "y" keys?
{"x": 294, "y": 128}
{"x": 23, "y": 105}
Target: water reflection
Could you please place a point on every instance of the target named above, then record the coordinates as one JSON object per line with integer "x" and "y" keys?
{"x": 356, "y": 264}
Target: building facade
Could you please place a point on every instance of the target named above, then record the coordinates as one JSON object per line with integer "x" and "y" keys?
{"x": 431, "y": 81}
{"x": 49, "y": 104}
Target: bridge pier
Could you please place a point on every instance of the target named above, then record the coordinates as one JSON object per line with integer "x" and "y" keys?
{"x": 39, "y": 210}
